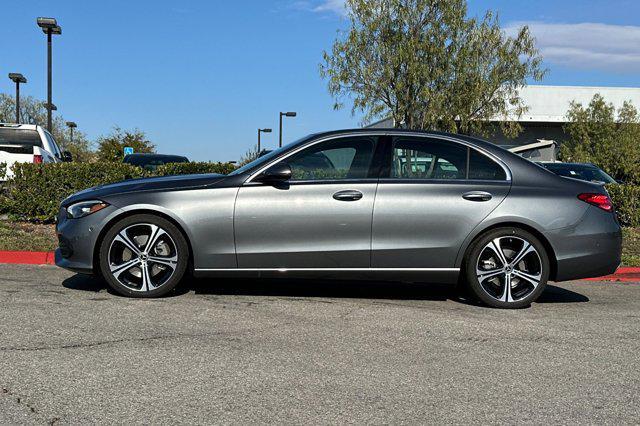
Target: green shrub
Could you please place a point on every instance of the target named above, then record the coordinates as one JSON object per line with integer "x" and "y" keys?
{"x": 626, "y": 200}
{"x": 194, "y": 168}
{"x": 35, "y": 191}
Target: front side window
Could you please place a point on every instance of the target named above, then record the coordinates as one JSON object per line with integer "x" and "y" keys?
{"x": 423, "y": 158}
{"x": 347, "y": 158}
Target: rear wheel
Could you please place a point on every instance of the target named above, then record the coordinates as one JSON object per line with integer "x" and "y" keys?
{"x": 143, "y": 256}
{"x": 507, "y": 268}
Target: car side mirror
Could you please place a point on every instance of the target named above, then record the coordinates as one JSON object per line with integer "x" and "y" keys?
{"x": 279, "y": 172}
{"x": 67, "y": 157}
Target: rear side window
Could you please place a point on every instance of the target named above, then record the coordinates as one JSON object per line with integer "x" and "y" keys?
{"x": 19, "y": 141}
{"x": 428, "y": 159}
{"x": 482, "y": 167}
{"x": 424, "y": 158}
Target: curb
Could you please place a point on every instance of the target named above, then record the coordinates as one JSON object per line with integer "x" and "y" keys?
{"x": 623, "y": 274}
{"x": 28, "y": 257}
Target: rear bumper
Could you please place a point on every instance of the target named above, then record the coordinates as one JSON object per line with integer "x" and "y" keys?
{"x": 592, "y": 248}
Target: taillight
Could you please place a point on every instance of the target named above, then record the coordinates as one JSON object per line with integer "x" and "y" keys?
{"x": 37, "y": 159}
{"x": 599, "y": 200}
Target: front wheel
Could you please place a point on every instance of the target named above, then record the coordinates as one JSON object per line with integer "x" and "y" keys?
{"x": 143, "y": 256}
{"x": 507, "y": 268}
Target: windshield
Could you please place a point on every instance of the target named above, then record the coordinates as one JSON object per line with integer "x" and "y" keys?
{"x": 582, "y": 172}
{"x": 266, "y": 158}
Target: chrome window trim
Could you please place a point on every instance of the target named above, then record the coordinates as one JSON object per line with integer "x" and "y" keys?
{"x": 391, "y": 134}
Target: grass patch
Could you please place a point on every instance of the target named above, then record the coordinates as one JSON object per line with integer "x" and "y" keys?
{"x": 39, "y": 237}
{"x": 23, "y": 236}
{"x": 631, "y": 247}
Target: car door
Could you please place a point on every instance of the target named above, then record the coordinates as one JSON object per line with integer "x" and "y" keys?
{"x": 320, "y": 218}
{"x": 431, "y": 195}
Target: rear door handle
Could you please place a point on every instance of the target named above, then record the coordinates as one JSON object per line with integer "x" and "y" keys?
{"x": 348, "y": 195}
{"x": 477, "y": 196}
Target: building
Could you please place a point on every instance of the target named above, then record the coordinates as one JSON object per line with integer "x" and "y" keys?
{"x": 547, "y": 114}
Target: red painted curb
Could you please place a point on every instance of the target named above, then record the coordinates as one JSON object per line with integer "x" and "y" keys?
{"x": 28, "y": 257}
{"x": 624, "y": 274}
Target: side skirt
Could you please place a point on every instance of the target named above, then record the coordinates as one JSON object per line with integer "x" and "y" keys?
{"x": 429, "y": 275}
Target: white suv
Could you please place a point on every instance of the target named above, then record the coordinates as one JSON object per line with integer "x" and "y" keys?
{"x": 28, "y": 143}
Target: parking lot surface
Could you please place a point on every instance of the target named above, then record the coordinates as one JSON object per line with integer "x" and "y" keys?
{"x": 280, "y": 351}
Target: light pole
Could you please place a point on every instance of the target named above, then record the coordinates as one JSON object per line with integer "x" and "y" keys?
{"x": 17, "y": 78}
{"x": 72, "y": 125}
{"x": 261, "y": 131}
{"x": 49, "y": 27}
{"x": 284, "y": 114}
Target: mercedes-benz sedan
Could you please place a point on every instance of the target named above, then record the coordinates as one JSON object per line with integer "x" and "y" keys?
{"x": 379, "y": 204}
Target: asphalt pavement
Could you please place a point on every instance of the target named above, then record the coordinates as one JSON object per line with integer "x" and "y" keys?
{"x": 313, "y": 352}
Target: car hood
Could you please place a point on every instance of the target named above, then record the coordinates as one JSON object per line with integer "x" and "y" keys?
{"x": 145, "y": 184}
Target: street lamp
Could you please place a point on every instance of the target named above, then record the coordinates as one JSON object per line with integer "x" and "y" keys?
{"x": 71, "y": 126}
{"x": 51, "y": 107}
{"x": 262, "y": 131}
{"x": 284, "y": 114}
{"x": 17, "y": 78}
{"x": 49, "y": 27}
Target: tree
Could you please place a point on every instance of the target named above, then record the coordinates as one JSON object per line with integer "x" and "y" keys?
{"x": 249, "y": 156}
{"x": 33, "y": 111}
{"x": 111, "y": 147}
{"x": 428, "y": 66}
{"x": 596, "y": 134}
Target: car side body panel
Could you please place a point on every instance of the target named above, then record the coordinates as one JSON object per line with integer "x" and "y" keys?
{"x": 204, "y": 214}
{"x": 422, "y": 224}
{"x": 302, "y": 225}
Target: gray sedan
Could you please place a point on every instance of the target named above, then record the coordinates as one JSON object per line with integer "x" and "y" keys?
{"x": 379, "y": 204}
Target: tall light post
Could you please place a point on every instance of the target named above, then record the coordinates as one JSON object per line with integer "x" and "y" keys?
{"x": 285, "y": 114}
{"x": 49, "y": 27}
{"x": 71, "y": 125}
{"x": 17, "y": 78}
{"x": 261, "y": 131}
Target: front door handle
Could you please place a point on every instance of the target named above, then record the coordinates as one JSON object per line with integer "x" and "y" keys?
{"x": 477, "y": 196}
{"x": 348, "y": 195}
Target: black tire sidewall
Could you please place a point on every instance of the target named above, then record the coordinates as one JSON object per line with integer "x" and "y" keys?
{"x": 472, "y": 258}
{"x": 174, "y": 233}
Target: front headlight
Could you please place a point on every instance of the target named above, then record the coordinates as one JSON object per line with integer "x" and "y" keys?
{"x": 85, "y": 208}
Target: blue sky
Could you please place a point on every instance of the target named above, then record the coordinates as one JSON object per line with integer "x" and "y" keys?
{"x": 199, "y": 77}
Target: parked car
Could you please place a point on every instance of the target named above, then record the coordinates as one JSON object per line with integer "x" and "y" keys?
{"x": 152, "y": 161}
{"x": 582, "y": 171}
{"x": 367, "y": 203}
{"x": 28, "y": 143}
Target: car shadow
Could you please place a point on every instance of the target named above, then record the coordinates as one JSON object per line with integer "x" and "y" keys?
{"x": 308, "y": 288}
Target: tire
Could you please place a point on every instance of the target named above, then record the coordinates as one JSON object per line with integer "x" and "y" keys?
{"x": 133, "y": 267}
{"x": 487, "y": 273}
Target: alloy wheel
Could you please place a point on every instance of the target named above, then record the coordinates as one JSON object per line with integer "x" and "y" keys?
{"x": 509, "y": 268}
{"x": 143, "y": 257}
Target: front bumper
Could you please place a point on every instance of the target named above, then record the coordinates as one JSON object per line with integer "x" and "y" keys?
{"x": 77, "y": 239}
{"x": 592, "y": 248}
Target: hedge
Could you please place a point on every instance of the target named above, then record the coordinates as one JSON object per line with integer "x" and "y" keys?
{"x": 35, "y": 191}
{"x": 626, "y": 200}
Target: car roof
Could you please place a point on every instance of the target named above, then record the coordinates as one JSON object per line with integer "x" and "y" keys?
{"x": 19, "y": 126}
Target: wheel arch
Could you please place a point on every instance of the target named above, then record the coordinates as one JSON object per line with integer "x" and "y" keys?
{"x": 133, "y": 212}
{"x": 553, "y": 260}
